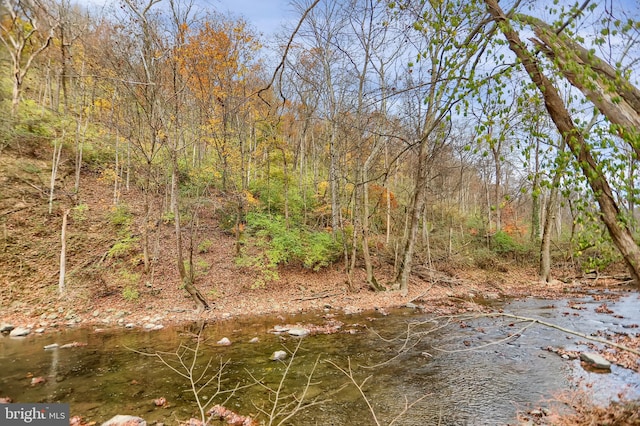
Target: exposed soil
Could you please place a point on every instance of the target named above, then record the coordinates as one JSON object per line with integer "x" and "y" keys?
{"x": 96, "y": 282}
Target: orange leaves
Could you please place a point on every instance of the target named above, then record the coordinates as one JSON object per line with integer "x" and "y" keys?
{"x": 379, "y": 195}
{"x": 510, "y": 223}
{"x": 215, "y": 58}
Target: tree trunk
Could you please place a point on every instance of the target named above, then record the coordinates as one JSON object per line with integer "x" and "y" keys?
{"x": 535, "y": 196}
{"x": 79, "y": 143}
{"x": 57, "y": 150}
{"x": 495, "y": 150}
{"x": 417, "y": 204}
{"x": 333, "y": 180}
{"x": 549, "y": 218}
{"x": 185, "y": 278}
{"x": 145, "y": 222}
{"x": 608, "y": 89}
{"x": 610, "y": 213}
{"x": 63, "y": 253}
{"x": 371, "y": 279}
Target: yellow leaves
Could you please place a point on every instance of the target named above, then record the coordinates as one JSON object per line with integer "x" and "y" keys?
{"x": 251, "y": 200}
{"x": 108, "y": 176}
{"x": 102, "y": 103}
{"x": 323, "y": 186}
{"x": 204, "y": 174}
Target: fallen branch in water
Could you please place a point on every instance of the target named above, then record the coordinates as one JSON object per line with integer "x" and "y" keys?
{"x": 413, "y": 334}
{"x": 566, "y": 330}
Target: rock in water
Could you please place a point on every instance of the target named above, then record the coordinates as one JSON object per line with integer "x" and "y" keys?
{"x": 122, "y": 420}
{"x": 595, "y": 360}
{"x": 19, "y": 332}
{"x": 298, "y": 332}
{"x": 6, "y": 328}
{"x": 278, "y": 356}
{"x": 224, "y": 341}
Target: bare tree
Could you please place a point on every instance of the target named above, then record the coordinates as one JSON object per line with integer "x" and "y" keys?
{"x": 26, "y": 33}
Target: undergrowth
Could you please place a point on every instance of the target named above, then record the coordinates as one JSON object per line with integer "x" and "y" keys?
{"x": 271, "y": 242}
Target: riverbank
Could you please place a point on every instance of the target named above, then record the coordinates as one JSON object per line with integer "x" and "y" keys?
{"x": 299, "y": 291}
{"x": 295, "y": 292}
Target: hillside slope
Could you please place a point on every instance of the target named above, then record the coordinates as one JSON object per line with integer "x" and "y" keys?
{"x": 104, "y": 263}
{"x": 104, "y": 268}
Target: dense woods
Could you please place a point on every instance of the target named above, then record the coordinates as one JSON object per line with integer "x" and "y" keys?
{"x": 373, "y": 133}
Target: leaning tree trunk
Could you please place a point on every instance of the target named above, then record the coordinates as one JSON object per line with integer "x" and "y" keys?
{"x": 613, "y": 94}
{"x": 609, "y": 211}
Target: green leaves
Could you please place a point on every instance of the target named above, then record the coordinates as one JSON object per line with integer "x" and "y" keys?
{"x": 273, "y": 243}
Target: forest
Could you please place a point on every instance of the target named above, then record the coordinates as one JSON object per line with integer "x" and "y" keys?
{"x": 150, "y": 148}
{"x": 407, "y": 133}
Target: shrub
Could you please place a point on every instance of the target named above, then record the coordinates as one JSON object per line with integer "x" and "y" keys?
{"x": 79, "y": 212}
{"x": 121, "y": 216}
{"x": 130, "y": 293}
{"x": 322, "y": 251}
{"x": 204, "y": 246}
{"x": 123, "y": 248}
{"x": 272, "y": 243}
{"x": 504, "y": 243}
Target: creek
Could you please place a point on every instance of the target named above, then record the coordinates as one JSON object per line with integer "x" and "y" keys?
{"x": 458, "y": 375}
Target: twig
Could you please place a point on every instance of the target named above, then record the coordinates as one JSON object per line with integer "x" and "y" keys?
{"x": 531, "y": 321}
{"x": 8, "y": 212}
{"x": 495, "y": 342}
{"x": 186, "y": 359}
{"x": 423, "y": 293}
{"x": 284, "y": 411}
{"x": 349, "y": 373}
{"x": 280, "y": 66}
{"x": 407, "y": 407}
{"x": 360, "y": 386}
{"x": 321, "y": 295}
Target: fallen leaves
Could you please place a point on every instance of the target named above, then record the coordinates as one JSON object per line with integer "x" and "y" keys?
{"x": 231, "y": 417}
{"x": 603, "y": 309}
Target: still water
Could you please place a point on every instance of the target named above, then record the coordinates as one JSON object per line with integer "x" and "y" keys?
{"x": 454, "y": 372}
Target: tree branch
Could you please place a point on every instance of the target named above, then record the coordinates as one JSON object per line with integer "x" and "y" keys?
{"x": 280, "y": 66}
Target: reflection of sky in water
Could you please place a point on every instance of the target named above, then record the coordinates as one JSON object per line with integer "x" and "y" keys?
{"x": 484, "y": 386}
